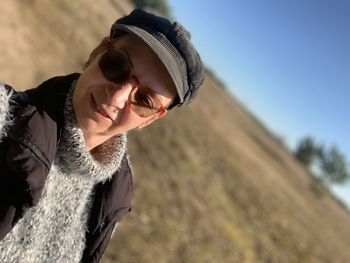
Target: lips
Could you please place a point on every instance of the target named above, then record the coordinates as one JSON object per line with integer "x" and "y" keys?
{"x": 99, "y": 109}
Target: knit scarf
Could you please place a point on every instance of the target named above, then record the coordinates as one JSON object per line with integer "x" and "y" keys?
{"x": 54, "y": 230}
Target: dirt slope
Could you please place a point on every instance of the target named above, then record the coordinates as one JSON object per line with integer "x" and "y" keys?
{"x": 211, "y": 184}
{"x": 225, "y": 191}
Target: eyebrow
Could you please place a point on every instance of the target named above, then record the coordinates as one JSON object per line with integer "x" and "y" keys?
{"x": 128, "y": 56}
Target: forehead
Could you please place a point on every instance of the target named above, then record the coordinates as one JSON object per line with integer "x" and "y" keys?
{"x": 146, "y": 66}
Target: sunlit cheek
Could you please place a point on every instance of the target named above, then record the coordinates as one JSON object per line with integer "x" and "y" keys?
{"x": 129, "y": 121}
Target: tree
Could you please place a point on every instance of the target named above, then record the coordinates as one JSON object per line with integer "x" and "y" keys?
{"x": 306, "y": 151}
{"x": 162, "y": 6}
{"x": 333, "y": 166}
{"x": 328, "y": 164}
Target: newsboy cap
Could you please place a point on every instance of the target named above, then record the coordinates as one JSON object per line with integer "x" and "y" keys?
{"x": 171, "y": 43}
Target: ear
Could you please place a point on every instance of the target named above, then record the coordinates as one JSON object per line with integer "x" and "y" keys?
{"x": 152, "y": 119}
{"x": 98, "y": 49}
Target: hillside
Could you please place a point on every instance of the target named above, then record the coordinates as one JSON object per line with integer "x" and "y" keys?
{"x": 211, "y": 183}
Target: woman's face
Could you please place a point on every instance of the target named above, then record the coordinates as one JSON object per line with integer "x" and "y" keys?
{"x": 101, "y": 106}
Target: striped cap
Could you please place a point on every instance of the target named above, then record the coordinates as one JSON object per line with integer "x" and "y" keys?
{"x": 171, "y": 43}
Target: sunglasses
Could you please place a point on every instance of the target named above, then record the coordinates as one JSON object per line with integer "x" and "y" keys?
{"x": 116, "y": 68}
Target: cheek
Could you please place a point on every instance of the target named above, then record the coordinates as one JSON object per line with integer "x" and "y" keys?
{"x": 78, "y": 109}
{"x": 128, "y": 121}
{"x": 75, "y": 101}
{"x": 81, "y": 104}
{"x": 91, "y": 75}
{"x": 78, "y": 98}
{"x": 80, "y": 88}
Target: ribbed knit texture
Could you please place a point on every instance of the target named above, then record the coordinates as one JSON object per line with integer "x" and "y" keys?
{"x": 54, "y": 230}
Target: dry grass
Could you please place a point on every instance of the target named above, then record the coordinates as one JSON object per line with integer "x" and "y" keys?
{"x": 225, "y": 191}
{"x": 211, "y": 183}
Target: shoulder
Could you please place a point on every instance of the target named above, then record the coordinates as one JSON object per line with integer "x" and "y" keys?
{"x": 51, "y": 94}
{"x": 48, "y": 97}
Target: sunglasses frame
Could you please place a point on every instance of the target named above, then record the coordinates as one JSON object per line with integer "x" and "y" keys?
{"x": 110, "y": 48}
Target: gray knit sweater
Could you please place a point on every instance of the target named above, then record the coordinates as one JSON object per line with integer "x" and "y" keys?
{"x": 54, "y": 230}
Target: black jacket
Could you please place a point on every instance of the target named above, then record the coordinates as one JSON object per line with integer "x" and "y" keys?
{"x": 27, "y": 153}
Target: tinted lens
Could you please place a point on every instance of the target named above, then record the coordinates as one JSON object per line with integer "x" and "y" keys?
{"x": 144, "y": 102}
{"x": 114, "y": 66}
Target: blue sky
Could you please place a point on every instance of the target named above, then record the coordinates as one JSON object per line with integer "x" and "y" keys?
{"x": 287, "y": 61}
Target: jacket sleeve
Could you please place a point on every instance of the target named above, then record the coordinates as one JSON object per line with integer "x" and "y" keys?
{"x": 25, "y": 158}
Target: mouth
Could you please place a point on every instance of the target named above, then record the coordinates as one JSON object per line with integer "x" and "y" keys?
{"x": 99, "y": 110}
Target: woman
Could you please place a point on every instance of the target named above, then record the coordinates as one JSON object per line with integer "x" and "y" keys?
{"x": 65, "y": 177}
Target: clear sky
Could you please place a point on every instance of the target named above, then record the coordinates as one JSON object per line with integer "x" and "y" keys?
{"x": 287, "y": 61}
